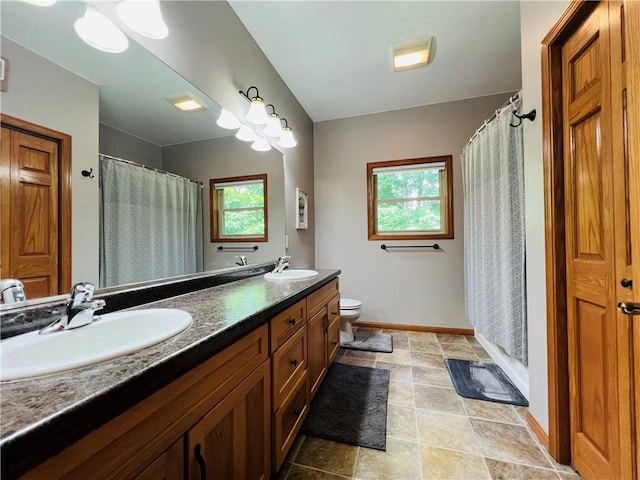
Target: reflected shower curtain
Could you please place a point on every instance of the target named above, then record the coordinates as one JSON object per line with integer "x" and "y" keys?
{"x": 494, "y": 234}
{"x": 151, "y": 224}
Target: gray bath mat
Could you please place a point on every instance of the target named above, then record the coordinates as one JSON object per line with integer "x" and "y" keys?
{"x": 483, "y": 381}
{"x": 371, "y": 342}
{"x": 351, "y": 407}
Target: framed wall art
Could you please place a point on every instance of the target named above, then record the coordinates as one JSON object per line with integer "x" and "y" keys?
{"x": 302, "y": 209}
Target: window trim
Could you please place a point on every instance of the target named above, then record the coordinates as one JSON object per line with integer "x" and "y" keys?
{"x": 448, "y": 200}
{"x": 214, "y": 209}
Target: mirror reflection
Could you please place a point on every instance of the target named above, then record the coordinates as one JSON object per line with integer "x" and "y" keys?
{"x": 120, "y": 108}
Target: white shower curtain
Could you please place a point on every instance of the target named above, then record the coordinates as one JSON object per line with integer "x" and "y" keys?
{"x": 151, "y": 224}
{"x": 494, "y": 235}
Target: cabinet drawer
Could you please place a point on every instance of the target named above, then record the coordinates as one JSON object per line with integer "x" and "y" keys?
{"x": 322, "y": 296}
{"x": 289, "y": 364}
{"x": 333, "y": 339}
{"x": 285, "y": 324}
{"x": 288, "y": 420}
{"x": 333, "y": 309}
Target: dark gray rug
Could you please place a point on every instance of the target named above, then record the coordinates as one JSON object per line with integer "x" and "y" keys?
{"x": 483, "y": 381}
{"x": 371, "y": 342}
{"x": 351, "y": 407}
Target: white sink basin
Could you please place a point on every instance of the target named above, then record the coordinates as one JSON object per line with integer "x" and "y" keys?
{"x": 114, "y": 334}
{"x": 290, "y": 275}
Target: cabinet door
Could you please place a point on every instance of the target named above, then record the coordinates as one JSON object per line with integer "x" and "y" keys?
{"x": 233, "y": 440}
{"x": 333, "y": 334}
{"x": 317, "y": 328}
{"x": 168, "y": 466}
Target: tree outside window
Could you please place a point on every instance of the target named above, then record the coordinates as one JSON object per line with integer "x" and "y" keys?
{"x": 410, "y": 199}
{"x": 239, "y": 209}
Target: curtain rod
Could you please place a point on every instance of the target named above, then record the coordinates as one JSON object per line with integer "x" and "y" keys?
{"x": 511, "y": 101}
{"x": 148, "y": 168}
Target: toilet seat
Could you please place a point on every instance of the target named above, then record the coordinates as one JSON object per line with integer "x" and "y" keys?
{"x": 349, "y": 304}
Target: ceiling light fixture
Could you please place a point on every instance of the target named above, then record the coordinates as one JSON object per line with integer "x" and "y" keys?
{"x": 261, "y": 145}
{"x": 287, "y": 139}
{"x": 274, "y": 127}
{"x": 98, "y": 31}
{"x": 257, "y": 113}
{"x": 41, "y": 3}
{"x": 143, "y": 17}
{"x": 228, "y": 120}
{"x": 186, "y": 103}
{"x": 411, "y": 54}
{"x": 246, "y": 134}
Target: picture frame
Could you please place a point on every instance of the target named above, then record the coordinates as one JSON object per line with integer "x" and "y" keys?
{"x": 302, "y": 209}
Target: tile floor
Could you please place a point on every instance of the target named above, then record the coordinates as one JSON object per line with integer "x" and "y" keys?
{"x": 432, "y": 433}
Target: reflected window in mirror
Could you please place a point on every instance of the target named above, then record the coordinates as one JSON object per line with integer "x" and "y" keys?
{"x": 239, "y": 209}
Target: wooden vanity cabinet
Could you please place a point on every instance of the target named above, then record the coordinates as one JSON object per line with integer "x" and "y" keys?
{"x": 168, "y": 466}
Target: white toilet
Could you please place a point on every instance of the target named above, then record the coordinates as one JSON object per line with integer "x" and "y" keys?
{"x": 349, "y": 313}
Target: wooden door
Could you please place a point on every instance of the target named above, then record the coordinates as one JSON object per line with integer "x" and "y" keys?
{"x": 233, "y": 440}
{"x": 168, "y": 466}
{"x": 317, "y": 349}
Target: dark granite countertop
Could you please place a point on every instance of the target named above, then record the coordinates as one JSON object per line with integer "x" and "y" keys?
{"x": 42, "y": 416}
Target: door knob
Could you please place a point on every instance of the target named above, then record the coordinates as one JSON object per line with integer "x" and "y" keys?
{"x": 626, "y": 283}
{"x": 629, "y": 308}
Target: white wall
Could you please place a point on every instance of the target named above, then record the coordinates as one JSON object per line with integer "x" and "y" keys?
{"x": 420, "y": 287}
{"x": 228, "y": 157}
{"x": 536, "y": 19}
{"x": 122, "y": 145}
{"x": 69, "y": 104}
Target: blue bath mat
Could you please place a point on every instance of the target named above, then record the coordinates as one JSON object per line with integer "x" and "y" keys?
{"x": 483, "y": 381}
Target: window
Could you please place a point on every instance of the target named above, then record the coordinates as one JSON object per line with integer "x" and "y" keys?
{"x": 239, "y": 209}
{"x": 410, "y": 199}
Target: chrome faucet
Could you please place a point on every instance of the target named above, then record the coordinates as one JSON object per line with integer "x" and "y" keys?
{"x": 80, "y": 309}
{"x": 12, "y": 291}
{"x": 242, "y": 260}
{"x": 283, "y": 262}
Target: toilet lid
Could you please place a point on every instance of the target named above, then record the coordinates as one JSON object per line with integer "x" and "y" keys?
{"x": 349, "y": 304}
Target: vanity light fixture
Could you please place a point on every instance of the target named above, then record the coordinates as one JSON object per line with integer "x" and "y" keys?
{"x": 228, "y": 120}
{"x": 246, "y": 134}
{"x": 411, "y": 54}
{"x": 143, "y": 17}
{"x": 186, "y": 103}
{"x": 287, "y": 139}
{"x": 98, "y": 31}
{"x": 260, "y": 144}
{"x": 274, "y": 127}
{"x": 257, "y": 113}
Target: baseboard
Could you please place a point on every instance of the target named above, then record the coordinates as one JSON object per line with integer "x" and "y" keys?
{"x": 538, "y": 431}
{"x": 417, "y": 328}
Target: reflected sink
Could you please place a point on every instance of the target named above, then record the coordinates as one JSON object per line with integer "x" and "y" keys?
{"x": 290, "y": 275}
{"x": 114, "y": 334}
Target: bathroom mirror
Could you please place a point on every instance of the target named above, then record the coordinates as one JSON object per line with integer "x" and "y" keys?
{"x": 128, "y": 114}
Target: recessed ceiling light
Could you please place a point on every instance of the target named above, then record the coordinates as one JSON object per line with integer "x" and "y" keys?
{"x": 186, "y": 103}
{"x": 411, "y": 54}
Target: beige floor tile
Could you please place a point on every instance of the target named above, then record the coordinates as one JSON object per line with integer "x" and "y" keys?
{"x": 399, "y": 373}
{"x": 499, "y": 412}
{"x": 401, "y": 422}
{"x": 295, "y": 448}
{"x": 513, "y": 471}
{"x": 511, "y": 443}
{"x": 401, "y": 393}
{"x": 438, "y": 464}
{"x": 332, "y": 457}
{"x": 400, "y": 343}
{"x": 401, "y": 461}
{"x": 432, "y": 376}
{"x": 472, "y": 340}
{"x": 449, "y": 338}
{"x": 423, "y": 336}
{"x": 298, "y": 472}
{"x": 396, "y": 333}
{"x": 447, "y": 431}
{"x": 439, "y": 399}
{"x": 481, "y": 353}
{"x": 402, "y": 357}
{"x": 426, "y": 347}
{"x": 422, "y": 359}
{"x": 522, "y": 413}
{"x": 360, "y": 354}
{"x": 569, "y": 476}
{"x": 361, "y": 362}
{"x": 464, "y": 352}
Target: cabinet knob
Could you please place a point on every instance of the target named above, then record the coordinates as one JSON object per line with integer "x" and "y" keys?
{"x": 626, "y": 283}
{"x": 334, "y": 342}
{"x": 334, "y": 313}
{"x": 297, "y": 412}
{"x": 292, "y": 321}
{"x": 201, "y": 463}
{"x": 294, "y": 362}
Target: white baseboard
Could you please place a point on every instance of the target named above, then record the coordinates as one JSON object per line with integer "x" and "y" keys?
{"x": 515, "y": 370}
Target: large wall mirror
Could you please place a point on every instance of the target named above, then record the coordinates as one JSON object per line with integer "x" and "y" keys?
{"x": 119, "y": 105}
